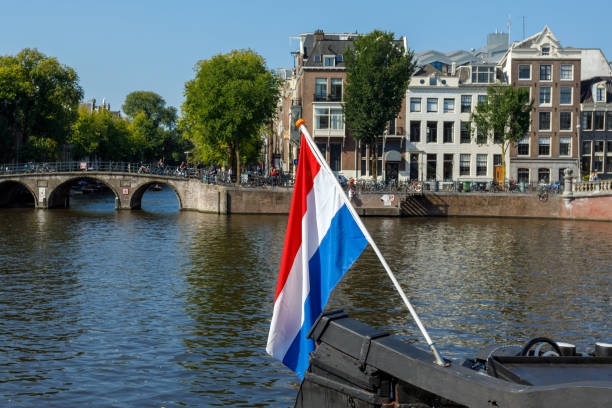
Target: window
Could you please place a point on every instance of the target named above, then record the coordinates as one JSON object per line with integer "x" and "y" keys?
{"x": 448, "y": 132}
{"x": 339, "y": 58}
{"x": 497, "y": 160}
{"x": 323, "y": 149}
{"x": 431, "y": 166}
{"x": 523, "y": 176}
{"x": 432, "y": 132}
{"x": 565, "y": 95}
{"x": 564, "y": 146}
{"x": 565, "y": 120}
{"x": 317, "y": 58}
{"x": 609, "y": 121}
{"x": 586, "y": 147}
{"x": 598, "y": 163}
{"x": 433, "y": 80}
{"x": 523, "y": 147}
{"x": 544, "y": 146}
{"x": 320, "y": 89}
{"x": 601, "y": 94}
{"x": 447, "y": 170}
{"x": 544, "y": 121}
{"x": 465, "y": 133}
{"x": 415, "y": 130}
{"x": 585, "y": 164}
{"x": 544, "y": 175}
{"x": 587, "y": 120}
{"x": 449, "y": 105}
{"x": 481, "y": 164}
{"x": 546, "y": 50}
{"x": 482, "y": 99}
{"x": 432, "y": 104}
{"x": 336, "y": 89}
{"x": 598, "y": 146}
{"x": 481, "y": 137}
{"x": 335, "y": 154}
{"x": 329, "y": 118}
{"x": 567, "y": 72}
{"x": 483, "y": 75}
{"x": 415, "y": 104}
{"x": 329, "y": 61}
{"x": 466, "y": 103}
{"x": 598, "y": 118}
{"x": 527, "y": 91}
{"x": 392, "y": 127}
{"x": 524, "y": 72}
{"x": 464, "y": 165}
{"x": 545, "y": 72}
{"x": 545, "y": 95}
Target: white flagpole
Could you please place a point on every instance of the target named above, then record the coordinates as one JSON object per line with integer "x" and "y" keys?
{"x": 439, "y": 360}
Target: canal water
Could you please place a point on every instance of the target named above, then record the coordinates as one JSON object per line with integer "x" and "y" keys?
{"x": 161, "y": 308}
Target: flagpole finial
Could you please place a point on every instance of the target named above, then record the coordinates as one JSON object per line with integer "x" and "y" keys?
{"x": 300, "y": 122}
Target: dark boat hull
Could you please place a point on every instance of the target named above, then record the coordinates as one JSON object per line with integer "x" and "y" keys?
{"x": 355, "y": 365}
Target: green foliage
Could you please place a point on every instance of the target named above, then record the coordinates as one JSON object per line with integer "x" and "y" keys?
{"x": 231, "y": 97}
{"x": 378, "y": 71}
{"x": 38, "y": 105}
{"x": 101, "y": 135}
{"x": 506, "y": 114}
{"x": 152, "y": 105}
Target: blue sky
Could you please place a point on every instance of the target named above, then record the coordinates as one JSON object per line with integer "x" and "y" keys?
{"x": 122, "y": 46}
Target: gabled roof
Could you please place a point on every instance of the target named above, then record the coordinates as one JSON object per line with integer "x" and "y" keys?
{"x": 538, "y": 38}
{"x": 327, "y": 47}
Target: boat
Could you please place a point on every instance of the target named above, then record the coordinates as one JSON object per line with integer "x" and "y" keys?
{"x": 156, "y": 187}
{"x": 355, "y": 365}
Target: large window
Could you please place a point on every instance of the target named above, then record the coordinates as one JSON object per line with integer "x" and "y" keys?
{"x": 544, "y": 121}
{"x": 545, "y": 95}
{"x": 432, "y": 104}
{"x": 543, "y": 175}
{"x": 598, "y": 146}
{"x": 565, "y": 95}
{"x": 431, "y": 166}
{"x": 464, "y": 165}
{"x": 564, "y": 146}
{"x": 586, "y": 147}
{"x": 465, "y": 133}
{"x": 497, "y": 160}
{"x": 432, "y": 132}
{"x": 609, "y": 120}
{"x": 544, "y": 146}
{"x": 336, "y": 89}
{"x": 545, "y": 72}
{"x": 448, "y": 132}
{"x": 466, "y": 103}
{"x": 329, "y": 118}
{"x": 320, "y": 89}
{"x": 335, "y": 154}
{"x": 567, "y": 72}
{"x": 482, "y": 99}
{"x": 448, "y": 167}
{"x": 598, "y": 119}
{"x": 565, "y": 120}
{"x": 415, "y": 104}
{"x": 523, "y": 147}
{"x": 524, "y": 72}
{"x": 587, "y": 120}
{"x": 449, "y": 105}
{"x": 415, "y": 130}
{"x": 483, "y": 75}
{"x": 329, "y": 61}
{"x": 523, "y": 175}
{"x": 481, "y": 165}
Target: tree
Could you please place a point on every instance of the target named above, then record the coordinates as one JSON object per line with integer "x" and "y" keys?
{"x": 378, "y": 71}
{"x": 506, "y": 114}
{"x": 231, "y": 97}
{"x": 102, "y": 135}
{"x": 38, "y": 104}
{"x": 152, "y": 105}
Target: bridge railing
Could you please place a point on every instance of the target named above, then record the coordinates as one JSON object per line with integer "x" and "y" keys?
{"x": 99, "y": 166}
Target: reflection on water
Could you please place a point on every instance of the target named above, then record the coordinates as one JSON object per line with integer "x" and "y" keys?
{"x": 166, "y": 308}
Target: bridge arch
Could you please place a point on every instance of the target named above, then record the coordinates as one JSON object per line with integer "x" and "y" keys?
{"x": 15, "y": 193}
{"x": 138, "y": 192}
{"x": 59, "y": 196}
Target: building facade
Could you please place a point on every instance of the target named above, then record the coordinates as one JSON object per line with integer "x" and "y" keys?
{"x": 596, "y": 128}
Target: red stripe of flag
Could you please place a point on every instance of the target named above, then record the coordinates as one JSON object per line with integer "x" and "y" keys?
{"x": 308, "y": 167}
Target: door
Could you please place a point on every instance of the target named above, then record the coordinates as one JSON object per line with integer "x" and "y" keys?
{"x": 414, "y": 166}
{"x": 391, "y": 172}
{"x": 498, "y": 174}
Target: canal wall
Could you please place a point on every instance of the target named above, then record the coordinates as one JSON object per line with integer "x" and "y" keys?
{"x": 236, "y": 200}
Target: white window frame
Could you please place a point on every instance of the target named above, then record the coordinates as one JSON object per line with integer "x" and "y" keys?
{"x": 549, "y": 103}
{"x": 453, "y": 107}
{"x": 432, "y": 100}
{"x": 519, "y": 72}
{"x": 569, "y": 150}
{"x": 571, "y": 78}
{"x": 549, "y": 122}
{"x": 597, "y": 89}
{"x": 571, "y": 88}
{"x": 523, "y": 141}
{"x": 332, "y": 57}
{"x": 551, "y": 73}
{"x": 571, "y": 121}
{"x": 540, "y": 139}
{"x": 419, "y": 104}
{"x": 547, "y": 48}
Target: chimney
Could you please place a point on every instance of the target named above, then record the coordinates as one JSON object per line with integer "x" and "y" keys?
{"x": 319, "y": 35}
{"x": 453, "y": 68}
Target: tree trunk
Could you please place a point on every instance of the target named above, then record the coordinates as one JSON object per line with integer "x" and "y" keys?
{"x": 237, "y": 165}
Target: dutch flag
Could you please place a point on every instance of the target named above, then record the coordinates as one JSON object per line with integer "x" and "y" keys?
{"x": 323, "y": 240}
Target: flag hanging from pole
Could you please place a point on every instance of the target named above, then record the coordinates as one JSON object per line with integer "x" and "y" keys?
{"x": 322, "y": 242}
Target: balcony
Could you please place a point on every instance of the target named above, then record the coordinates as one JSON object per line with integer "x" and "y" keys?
{"x": 327, "y": 98}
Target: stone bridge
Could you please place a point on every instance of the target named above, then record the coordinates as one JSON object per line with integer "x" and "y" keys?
{"x": 52, "y": 190}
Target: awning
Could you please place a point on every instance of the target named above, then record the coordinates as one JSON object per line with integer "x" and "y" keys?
{"x": 393, "y": 156}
